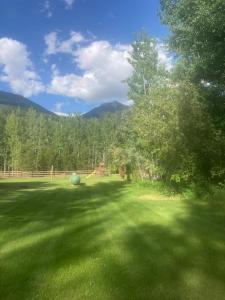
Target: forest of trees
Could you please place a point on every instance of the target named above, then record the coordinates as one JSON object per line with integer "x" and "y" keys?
{"x": 36, "y": 141}
{"x": 176, "y": 128}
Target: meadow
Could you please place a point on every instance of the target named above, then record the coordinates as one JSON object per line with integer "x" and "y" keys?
{"x": 108, "y": 239}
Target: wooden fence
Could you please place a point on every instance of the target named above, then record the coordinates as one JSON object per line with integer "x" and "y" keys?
{"x": 28, "y": 174}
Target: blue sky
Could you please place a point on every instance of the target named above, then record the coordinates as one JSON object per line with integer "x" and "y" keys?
{"x": 71, "y": 55}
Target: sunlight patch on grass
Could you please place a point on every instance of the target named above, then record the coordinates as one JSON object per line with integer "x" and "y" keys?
{"x": 30, "y": 240}
{"x": 158, "y": 197}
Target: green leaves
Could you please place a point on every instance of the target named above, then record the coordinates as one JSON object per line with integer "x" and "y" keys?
{"x": 34, "y": 141}
{"x": 173, "y": 125}
{"x": 146, "y": 68}
{"x": 198, "y": 35}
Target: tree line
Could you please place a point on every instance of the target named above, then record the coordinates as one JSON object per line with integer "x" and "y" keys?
{"x": 36, "y": 141}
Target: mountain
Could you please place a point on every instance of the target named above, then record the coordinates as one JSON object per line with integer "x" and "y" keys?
{"x": 13, "y": 100}
{"x": 100, "y": 111}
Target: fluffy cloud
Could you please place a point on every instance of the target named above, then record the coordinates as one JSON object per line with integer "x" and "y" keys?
{"x": 58, "y": 109}
{"x": 104, "y": 67}
{"x": 69, "y": 3}
{"x": 54, "y": 45}
{"x": 17, "y": 68}
{"x": 164, "y": 57}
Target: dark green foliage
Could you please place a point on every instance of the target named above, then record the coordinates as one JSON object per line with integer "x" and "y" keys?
{"x": 198, "y": 35}
{"x": 178, "y": 116}
{"x": 34, "y": 141}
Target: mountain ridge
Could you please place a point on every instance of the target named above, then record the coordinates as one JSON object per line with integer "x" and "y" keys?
{"x": 15, "y": 100}
{"x": 108, "y": 107}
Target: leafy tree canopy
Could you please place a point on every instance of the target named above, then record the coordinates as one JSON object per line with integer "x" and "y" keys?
{"x": 198, "y": 35}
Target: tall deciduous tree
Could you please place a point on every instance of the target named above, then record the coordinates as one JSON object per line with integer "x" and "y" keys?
{"x": 198, "y": 38}
{"x": 198, "y": 35}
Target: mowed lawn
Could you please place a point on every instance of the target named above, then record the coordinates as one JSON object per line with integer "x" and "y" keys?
{"x": 108, "y": 240}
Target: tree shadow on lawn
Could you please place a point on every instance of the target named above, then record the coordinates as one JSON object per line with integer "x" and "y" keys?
{"x": 182, "y": 260}
{"x": 58, "y": 204}
{"x": 55, "y": 229}
{"x": 47, "y": 229}
{"x": 44, "y": 256}
{"x": 21, "y": 185}
{"x": 15, "y": 189}
{"x": 31, "y": 211}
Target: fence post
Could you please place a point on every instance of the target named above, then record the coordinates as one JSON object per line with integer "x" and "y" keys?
{"x": 52, "y": 170}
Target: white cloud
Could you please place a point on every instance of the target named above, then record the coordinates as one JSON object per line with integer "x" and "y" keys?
{"x": 58, "y": 109}
{"x": 69, "y": 3}
{"x": 54, "y": 70}
{"x": 59, "y": 106}
{"x": 46, "y": 9}
{"x": 104, "y": 67}
{"x": 46, "y": 6}
{"x": 54, "y": 45}
{"x": 51, "y": 42}
{"x": 61, "y": 114}
{"x": 17, "y": 68}
{"x": 164, "y": 56}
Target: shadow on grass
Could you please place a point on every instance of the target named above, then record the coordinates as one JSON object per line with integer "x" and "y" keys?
{"x": 44, "y": 230}
{"x": 181, "y": 260}
{"x": 55, "y": 229}
{"x": 6, "y": 186}
{"x": 53, "y": 206}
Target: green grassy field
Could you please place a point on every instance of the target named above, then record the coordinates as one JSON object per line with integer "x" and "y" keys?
{"x": 108, "y": 240}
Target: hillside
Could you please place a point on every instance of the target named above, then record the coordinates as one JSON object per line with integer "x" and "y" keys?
{"x": 100, "y": 111}
{"x": 13, "y": 100}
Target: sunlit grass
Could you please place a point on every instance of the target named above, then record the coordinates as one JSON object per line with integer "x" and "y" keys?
{"x": 103, "y": 241}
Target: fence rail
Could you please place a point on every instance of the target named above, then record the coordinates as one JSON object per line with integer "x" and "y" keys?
{"x": 16, "y": 174}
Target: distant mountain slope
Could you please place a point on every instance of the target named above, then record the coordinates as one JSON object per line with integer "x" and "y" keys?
{"x": 100, "y": 111}
{"x": 11, "y": 99}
